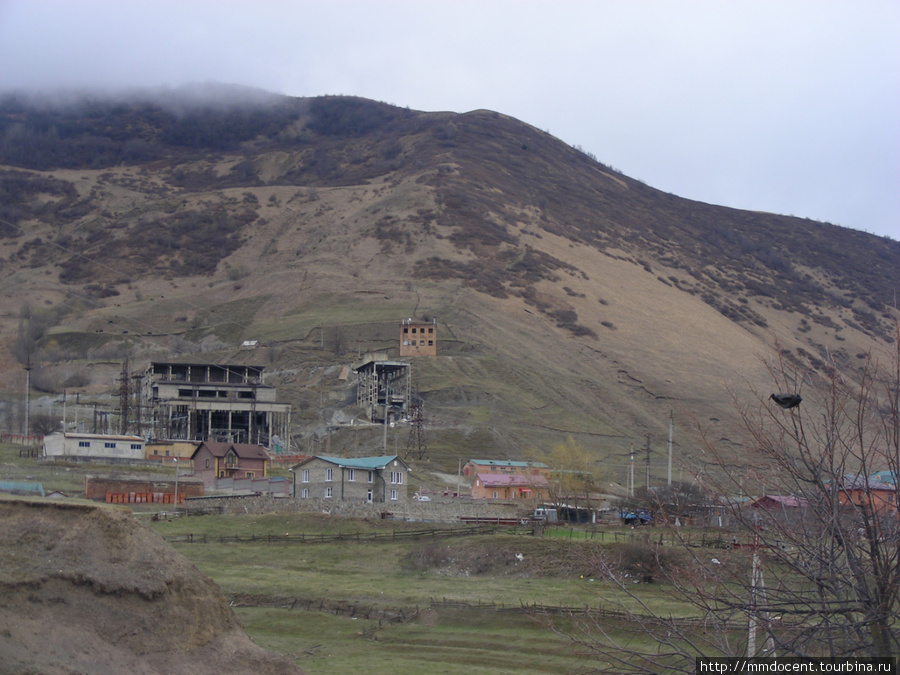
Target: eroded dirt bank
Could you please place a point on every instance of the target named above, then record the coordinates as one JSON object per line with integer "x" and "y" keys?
{"x": 87, "y": 589}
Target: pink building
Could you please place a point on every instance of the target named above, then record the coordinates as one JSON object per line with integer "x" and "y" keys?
{"x": 509, "y": 486}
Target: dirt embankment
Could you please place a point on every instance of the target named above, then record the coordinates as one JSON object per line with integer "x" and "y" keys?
{"x": 88, "y": 589}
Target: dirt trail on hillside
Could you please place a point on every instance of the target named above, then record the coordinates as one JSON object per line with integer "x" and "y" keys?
{"x": 87, "y": 589}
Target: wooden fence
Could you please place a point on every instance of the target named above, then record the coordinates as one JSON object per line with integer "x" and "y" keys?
{"x": 388, "y": 615}
{"x": 599, "y": 613}
{"x": 661, "y": 537}
{"x": 646, "y": 535}
{"x": 143, "y": 498}
{"x": 329, "y": 538}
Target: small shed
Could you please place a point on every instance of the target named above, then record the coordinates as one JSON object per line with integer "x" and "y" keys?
{"x": 93, "y": 446}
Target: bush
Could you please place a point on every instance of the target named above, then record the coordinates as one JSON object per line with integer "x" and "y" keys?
{"x": 647, "y": 562}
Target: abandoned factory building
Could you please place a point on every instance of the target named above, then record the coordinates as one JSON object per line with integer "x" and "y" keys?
{"x": 225, "y": 403}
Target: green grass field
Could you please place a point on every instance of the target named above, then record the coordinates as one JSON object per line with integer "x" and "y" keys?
{"x": 463, "y": 605}
{"x": 462, "y": 622}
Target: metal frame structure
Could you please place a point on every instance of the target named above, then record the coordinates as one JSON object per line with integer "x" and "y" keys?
{"x": 383, "y": 390}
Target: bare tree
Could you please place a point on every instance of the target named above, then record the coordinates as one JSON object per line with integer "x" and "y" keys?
{"x": 337, "y": 341}
{"x": 43, "y": 424}
{"x": 818, "y": 573}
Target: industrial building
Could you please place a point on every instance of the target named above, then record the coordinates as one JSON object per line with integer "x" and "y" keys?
{"x": 226, "y": 403}
{"x": 383, "y": 390}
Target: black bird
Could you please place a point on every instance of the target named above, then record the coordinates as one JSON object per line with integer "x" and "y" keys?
{"x": 786, "y": 401}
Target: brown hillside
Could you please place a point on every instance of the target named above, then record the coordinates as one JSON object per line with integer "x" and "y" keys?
{"x": 89, "y": 590}
{"x": 572, "y": 299}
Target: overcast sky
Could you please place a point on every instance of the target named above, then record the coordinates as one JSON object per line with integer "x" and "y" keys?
{"x": 778, "y": 105}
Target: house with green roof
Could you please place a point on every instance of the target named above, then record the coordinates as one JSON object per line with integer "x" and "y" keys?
{"x": 368, "y": 479}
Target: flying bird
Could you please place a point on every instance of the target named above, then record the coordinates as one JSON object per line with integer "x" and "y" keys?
{"x": 786, "y": 401}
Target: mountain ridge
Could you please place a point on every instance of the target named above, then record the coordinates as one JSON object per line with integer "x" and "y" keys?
{"x": 608, "y": 303}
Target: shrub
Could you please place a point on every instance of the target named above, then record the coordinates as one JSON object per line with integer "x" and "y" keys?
{"x": 647, "y": 562}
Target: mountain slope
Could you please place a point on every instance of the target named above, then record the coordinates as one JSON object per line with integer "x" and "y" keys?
{"x": 571, "y": 299}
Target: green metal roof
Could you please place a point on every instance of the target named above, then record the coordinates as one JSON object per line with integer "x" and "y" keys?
{"x": 506, "y": 462}
{"x": 361, "y": 462}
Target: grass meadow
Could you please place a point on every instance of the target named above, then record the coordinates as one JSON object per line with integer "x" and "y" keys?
{"x": 461, "y": 597}
{"x": 460, "y": 622}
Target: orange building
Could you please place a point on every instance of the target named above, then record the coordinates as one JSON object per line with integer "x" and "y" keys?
{"x": 874, "y": 496}
{"x": 505, "y": 479}
{"x": 418, "y": 339}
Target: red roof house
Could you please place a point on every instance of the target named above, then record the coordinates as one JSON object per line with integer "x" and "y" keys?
{"x": 778, "y": 502}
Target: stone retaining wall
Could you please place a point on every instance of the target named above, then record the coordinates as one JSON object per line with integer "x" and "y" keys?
{"x": 438, "y": 510}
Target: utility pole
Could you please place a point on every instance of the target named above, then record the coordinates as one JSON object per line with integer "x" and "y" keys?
{"x": 175, "y": 501}
{"x": 387, "y": 396}
{"x": 138, "y": 392}
{"x": 416, "y": 445}
{"x": 648, "y": 461}
{"x": 27, "y": 430}
{"x": 757, "y": 593}
{"x": 631, "y": 472}
{"x": 124, "y": 398}
{"x": 671, "y": 425}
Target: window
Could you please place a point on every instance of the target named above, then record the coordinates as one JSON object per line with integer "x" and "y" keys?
{"x": 328, "y": 473}
{"x": 351, "y": 475}
{"x": 248, "y": 474}
{"x": 137, "y": 446}
{"x": 207, "y": 462}
{"x": 413, "y": 330}
{"x": 397, "y": 477}
{"x": 369, "y": 495}
{"x": 304, "y": 477}
{"x": 167, "y": 453}
{"x": 84, "y": 444}
{"x": 304, "y": 493}
{"x": 431, "y": 343}
{"x": 495, "y": 494}
{"x": 430, "y": 331}
{"x": 112, "y": 446}
{"x": 393, "y": 495}
{"x": 328, "y": 493}
{"x": 405, "y": 330}
{"x": 371, "y": 476}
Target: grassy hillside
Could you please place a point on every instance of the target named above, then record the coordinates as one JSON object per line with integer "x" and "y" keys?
{"x": 570, "y": 299}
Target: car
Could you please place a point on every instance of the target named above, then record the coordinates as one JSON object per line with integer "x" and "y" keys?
{"x": 421, "y": 498}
